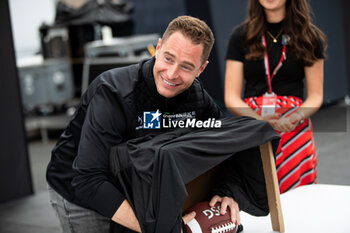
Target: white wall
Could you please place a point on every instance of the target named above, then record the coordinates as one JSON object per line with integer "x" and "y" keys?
{"x": 26, "y": 18}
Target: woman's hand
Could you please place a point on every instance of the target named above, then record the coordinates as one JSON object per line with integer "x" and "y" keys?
{"x": 284, "y": 124}
{"x": 296, "y": 118}
{"x": 288, "y": 124}
{"x": 272, "y": 120}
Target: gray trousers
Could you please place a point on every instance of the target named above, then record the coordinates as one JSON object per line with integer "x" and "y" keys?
{"x": 76, "y": 219}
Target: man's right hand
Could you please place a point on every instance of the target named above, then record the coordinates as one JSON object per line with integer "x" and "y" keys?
{"x": 188, "y": 217}
{"x": 126, "y": 217}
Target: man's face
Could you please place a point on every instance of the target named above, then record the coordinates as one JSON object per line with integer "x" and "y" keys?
{"x": 178, "y": 63}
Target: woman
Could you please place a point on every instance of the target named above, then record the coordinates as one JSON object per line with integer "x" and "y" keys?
{"x": 274, "y": 50}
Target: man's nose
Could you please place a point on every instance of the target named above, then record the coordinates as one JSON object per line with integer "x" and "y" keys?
{"x": 173, "y": 72}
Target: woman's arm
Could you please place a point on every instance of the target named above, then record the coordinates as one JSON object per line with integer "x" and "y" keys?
{"x": 233, "y": 92}
{"x": 314, "y": 92}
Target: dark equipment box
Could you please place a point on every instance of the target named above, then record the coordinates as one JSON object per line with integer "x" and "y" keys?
{"x": 45, "y": 82}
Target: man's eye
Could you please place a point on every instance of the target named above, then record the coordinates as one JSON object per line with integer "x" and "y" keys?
{"x": 187, "y": 68}
{"x": 168, "y": 59}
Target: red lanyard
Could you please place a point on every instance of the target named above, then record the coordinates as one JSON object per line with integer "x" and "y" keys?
{"x": 267, "y": 66}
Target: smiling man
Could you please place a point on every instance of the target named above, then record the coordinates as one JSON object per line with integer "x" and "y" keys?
{"x": 110, "y": 113}
{"x": 178, "y": 62}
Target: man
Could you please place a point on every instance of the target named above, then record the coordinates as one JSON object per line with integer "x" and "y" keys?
{"x": 109, "y": 113}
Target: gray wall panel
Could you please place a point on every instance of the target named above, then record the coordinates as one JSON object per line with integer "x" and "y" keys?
{"x": 328, "y": 17}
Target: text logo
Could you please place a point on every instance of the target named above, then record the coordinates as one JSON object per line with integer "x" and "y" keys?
{"x": 212, "y": 211}
{"x": 151, "y": 120}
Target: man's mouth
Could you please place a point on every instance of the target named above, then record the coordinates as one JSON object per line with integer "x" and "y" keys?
{"x": 169, "y": 83}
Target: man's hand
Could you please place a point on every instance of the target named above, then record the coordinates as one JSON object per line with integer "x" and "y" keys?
{"x": 227, "y": 202}
{"x": 125, "y": 216}
{"x": 188, "y": 217}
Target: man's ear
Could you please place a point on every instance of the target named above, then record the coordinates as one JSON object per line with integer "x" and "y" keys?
{"x": 201, "y": 69}
{"x": 159, "y": 44}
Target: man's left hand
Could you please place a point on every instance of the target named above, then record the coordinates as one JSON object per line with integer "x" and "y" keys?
{"x": 227, "y": 202}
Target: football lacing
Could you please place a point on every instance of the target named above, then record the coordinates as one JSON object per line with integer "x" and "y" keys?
{"x": 224, "y": 228}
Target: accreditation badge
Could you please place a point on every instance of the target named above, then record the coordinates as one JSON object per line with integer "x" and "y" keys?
{"x": 268, "y": 104}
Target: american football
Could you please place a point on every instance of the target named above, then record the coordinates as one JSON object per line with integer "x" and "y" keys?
{"x": 209, "y": 220}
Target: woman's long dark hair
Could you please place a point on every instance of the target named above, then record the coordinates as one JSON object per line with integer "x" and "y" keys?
{"x": 297, "y": 24}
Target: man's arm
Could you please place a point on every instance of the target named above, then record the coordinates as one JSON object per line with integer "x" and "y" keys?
{"x": 125, "y": 216}
{"x": 104, "y": 127}
{"x": 242, "y": 178}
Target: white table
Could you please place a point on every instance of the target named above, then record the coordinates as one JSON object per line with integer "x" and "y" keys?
{"x": 315, "y": 208}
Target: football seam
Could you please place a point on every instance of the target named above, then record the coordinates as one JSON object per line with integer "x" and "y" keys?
{"x": 223, "y": 228}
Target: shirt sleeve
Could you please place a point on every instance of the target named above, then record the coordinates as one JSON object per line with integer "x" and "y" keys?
{"x": 235, "y": 47}
{"x": 319, "y": 50}
{"x": 103, "y": 128}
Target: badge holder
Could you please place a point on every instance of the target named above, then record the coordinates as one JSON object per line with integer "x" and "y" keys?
{"x": 268, "y": 104}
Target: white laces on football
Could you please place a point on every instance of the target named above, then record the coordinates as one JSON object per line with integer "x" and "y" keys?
{"x": 224, "y": 228}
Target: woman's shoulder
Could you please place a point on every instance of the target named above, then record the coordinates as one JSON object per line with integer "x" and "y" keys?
{"x": 239, "y": 31}
{"x": 236, "y": 44}
{"x": 319, "y": 41}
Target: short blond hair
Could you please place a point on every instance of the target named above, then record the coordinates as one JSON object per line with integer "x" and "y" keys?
{"x": 195, "y": 29}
